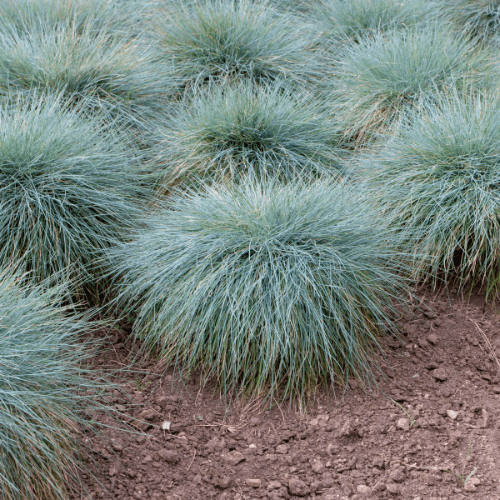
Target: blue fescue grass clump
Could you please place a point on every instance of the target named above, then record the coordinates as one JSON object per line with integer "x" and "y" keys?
{"x": 270, "y": 289}
{"x": 479, "y": 19}
{"x": 113, "y": 74}
{"x": 69, "y": 188}
{"x": 439, "y": 179}
{"x": 227, "y": 41}
{"x": 354, "y": 20}
{"x": 44, "y": 391}
{"x": 25, "y": 17}
{"x": 379, "y": 78}
{"x": 231, "y": 132}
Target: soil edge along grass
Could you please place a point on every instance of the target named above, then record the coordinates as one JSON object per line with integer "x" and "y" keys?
{"x": 271, "y": 290}
{"x": 44, "y": 391}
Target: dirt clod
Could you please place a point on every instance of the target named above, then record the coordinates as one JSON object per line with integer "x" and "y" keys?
{"x": 334, "y": 450}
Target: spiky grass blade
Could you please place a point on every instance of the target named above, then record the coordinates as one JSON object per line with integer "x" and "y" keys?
{"x": 382, "y": 76}
{"x": 439, "y": 179}
{"x": 69, "y": 187}
{"x": 43, "y": 392}
{"x": 224, "y": 40}
{"x": 268, "y": 289}
{"x": 268, "y": 132}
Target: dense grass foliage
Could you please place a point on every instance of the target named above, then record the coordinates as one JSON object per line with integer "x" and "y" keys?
{"x": 382, "y": 76}
{"x": 43, "y": 391}
{"x": 26, "y": 17}
{"x": 224, "y": 41}
{"x": 439, "y": 179}
{"x": 266, "y": 288}
{"x": 354, "y": 20}
{"x": 68, "y": 188}
{"x": 477, "y": 18}
{"x": 112, "y": 74}
{"x": 267, "y": 132}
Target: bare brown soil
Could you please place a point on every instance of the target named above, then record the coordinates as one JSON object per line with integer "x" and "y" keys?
{"x": 433, "y": 421}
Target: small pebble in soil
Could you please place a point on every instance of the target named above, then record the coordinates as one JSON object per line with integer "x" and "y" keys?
{"x": 234, "y": 458}
{"x": 253, "y": 483}
{"x": 282, "y": 449}
{"x": 403, "y": 424}
{"x": 362, "y": 489}
{"x": 393, "y": 489}
{"x": 298, "y": 487}
{"x": 452, "y": 414}
{"x": 224, "y": 482}
{"x": 471, "y": 484}
{"x": 439, "y": 374}
{"x": 433, "y": 339}
{"x": 274, "y": 485}
{"x": 317, "y": 466}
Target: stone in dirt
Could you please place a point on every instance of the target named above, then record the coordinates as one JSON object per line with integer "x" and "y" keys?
{"x": 253, "y": 483}
{"x": 234, "y": 458}
{"x": 274, "y": 485}
{"x": 485, "y": 419}
{"x": 393, "y": 489}
{"x": 317, "y": 466}
{"x": 224, "y": 482}
{"x": 298, "y": 487}
{"x": 403, "y": 424}
{"x": 452, "y": 414}
{"x": 362, "y": 489}
{"x": 471, "y": 484}
{"x": 439, "y": 374}
{"x": 169, "y": 456}
{"x": 282, "y": 449}
{"x": 432, "y": 339}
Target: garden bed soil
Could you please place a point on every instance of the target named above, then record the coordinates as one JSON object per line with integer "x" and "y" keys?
{"x": 440, "y": 424}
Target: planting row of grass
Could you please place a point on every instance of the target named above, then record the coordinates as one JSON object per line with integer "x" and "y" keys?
{"x": 260, "y": 183}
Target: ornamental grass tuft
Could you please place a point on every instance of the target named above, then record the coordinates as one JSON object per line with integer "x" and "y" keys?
{"x": 270, "y": 289}
{"x": 479, "y": 19}
{"x": 379, "y": 78}
{"x": 439, "y": 180}
{"x": 112, "y": 74}
{"x": 68, "y": 188}
{"x": 227, "y": 41}
{"x": 355, "y": 20}
{"x": 44, "y": 391}
{"x": 231, "y": 132}
{"x": 27, "y": 17}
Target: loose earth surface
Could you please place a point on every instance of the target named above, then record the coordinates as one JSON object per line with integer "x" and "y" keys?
{"x": 431, "y": 422}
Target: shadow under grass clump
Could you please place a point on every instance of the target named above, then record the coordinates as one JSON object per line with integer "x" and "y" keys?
{"x": 268, "y": 132}
{"x": 69, "y": 188}
{"x": 381, "y": 77}
{"x": 271, "y": 290}
{"x": 479, "y": 19}
{"x": 438, "y": 179}
{"x": 342, "y": 21}
{"x": 227, "y": 41}
{"x": 113, "y": 75}
{"x": 44, "y": 391}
